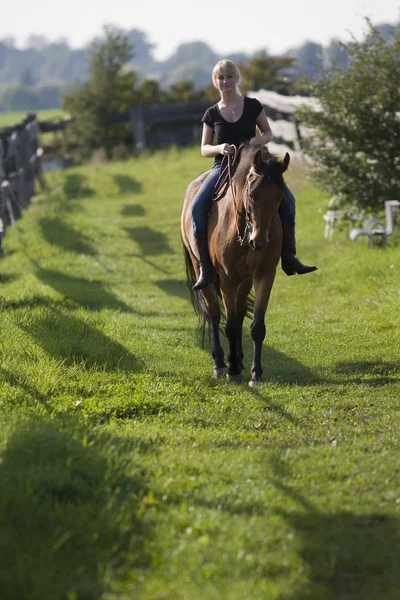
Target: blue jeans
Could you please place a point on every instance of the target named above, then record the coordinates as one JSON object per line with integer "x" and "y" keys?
{"x": 202, "y": 201}
{"x": 287, "y": 208}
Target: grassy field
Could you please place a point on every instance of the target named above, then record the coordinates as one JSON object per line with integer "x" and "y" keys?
{"x": 13, "y": 118}
{"x": 127, "y": 472}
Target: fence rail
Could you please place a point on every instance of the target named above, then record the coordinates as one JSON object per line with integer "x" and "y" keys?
{"x": 180, "y": 123}
{"x": 20, "y": 167}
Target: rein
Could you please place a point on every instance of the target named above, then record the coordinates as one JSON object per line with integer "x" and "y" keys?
{"x": 225, "y": 181}
{"x": 226, "y": 174}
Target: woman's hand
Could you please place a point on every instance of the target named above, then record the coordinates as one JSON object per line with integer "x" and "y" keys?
{"x": 227, "y": 149}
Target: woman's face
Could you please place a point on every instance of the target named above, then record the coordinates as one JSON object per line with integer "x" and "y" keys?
{"x": 225, "y": 81}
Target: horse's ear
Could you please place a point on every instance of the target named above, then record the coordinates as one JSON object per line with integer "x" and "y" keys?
{"x": 258, "y": 161}
{"x": 285, "y": 162}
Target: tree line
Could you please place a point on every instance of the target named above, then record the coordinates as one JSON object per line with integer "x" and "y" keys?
{"x": 355, "y": 146}
{"x": 39, "y": 75}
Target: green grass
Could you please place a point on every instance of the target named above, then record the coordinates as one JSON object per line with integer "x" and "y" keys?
{"x": 127, "y": 471}
{"x": 13, "y": 118}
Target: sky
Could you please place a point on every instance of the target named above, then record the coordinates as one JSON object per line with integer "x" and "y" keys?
{"x": 226, "y": 26}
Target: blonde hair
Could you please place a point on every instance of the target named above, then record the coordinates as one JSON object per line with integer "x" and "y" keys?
{"x": 225, "y": 66}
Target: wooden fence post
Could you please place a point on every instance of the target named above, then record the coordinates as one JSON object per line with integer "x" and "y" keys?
{"x": 138, "y": 133}
{"x": 19, "y": 165}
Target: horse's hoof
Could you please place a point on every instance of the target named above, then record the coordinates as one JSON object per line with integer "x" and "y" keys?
{"x": 255, "y": 382}
{"x": 219, "y": 372}
{"x": 234, "y": 378}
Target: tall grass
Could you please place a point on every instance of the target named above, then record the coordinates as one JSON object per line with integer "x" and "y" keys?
{"x": 9, "y": 119}
{"x": 127, "y": 471}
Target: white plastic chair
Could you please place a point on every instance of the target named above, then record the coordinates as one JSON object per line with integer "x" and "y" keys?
{"x": 375, "y": 228}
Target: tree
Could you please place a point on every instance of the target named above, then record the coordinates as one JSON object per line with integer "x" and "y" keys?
{"x": 37, "y": 42}
{"x": 185, "y": 91}
{"x": 27, "y": 77}
{"x": 149, "y": 92}
{"x": 309, "y": 61}
{"x": 143, "y": 48}
{"x": 266, "y": 72}
{"x": 95, "y": 107}
{"x": 335, "y": 56}
{"x": 192, "y": 52}
{"x": 356, "y": 142}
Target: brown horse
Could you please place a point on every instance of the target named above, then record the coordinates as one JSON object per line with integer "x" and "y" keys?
{"x": 245, "y": 241}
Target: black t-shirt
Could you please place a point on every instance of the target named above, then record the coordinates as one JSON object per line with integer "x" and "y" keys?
{"x": 234, "y": 133}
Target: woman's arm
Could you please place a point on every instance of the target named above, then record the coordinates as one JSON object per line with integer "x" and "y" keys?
{"x": 265, "y": 130}
{"x": 208, "y": 150}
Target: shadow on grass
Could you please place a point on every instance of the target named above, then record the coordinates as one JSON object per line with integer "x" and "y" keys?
{"x": 346, "y": 555}
{"x": 127, "y": 185}
{"x": 20, "y": 381}
{"x": 271, "y": 406}
{"x": 150, "y": 241}
{"x": 74, "y": 341}
{"x": 133, "y": 210}
{"x": 75, "y": 187}
{"x": 90, "y": 294}
{"x": 342, "y": 555}
{"x": 280, "y": 368}
{"x": 174, "y": 287}
{"x": 7, "y": 252}
{"x": 277, "y": 367}
{"x": 58, "y": 233}
{"x": 6, "y": 278}
{"x": 34, "y": 302}
{"x": 373, "y": 373}
{"x": 69, "y": 513}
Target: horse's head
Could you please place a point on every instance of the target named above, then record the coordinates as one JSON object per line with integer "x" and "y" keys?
{"x": 262, "y": 192}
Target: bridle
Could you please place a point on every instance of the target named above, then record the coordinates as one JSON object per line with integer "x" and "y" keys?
{"x": 225, "y": 180}
{"x": 248, "y": 227}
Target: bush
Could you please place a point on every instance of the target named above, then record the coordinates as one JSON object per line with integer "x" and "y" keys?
{"x": 356, "y": 143}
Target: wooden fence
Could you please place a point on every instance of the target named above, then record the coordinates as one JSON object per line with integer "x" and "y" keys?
{"x": 55, "y": 143}
{"x": 20, "y": 167}
{"x": 180, "y": 123}
{"x": 287, "y": 130}
{"x": 166, "y": 125}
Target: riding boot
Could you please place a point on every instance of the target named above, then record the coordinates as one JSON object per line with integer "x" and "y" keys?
{"x": 205, "y": 262}
{"x": 289, "y": 262}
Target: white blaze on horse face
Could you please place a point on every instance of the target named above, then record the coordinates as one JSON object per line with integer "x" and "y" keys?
{"x": 262, "y": 206}
{"x": 258, "y": 238}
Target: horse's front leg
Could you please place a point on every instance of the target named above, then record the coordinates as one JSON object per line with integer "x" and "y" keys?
{"x": 232, "y": 329}
{"x": 214, "y": 314}
{"x": 235, "y": 356}
{"x": 263, "y": 289}
{"x": 241, "y": 305}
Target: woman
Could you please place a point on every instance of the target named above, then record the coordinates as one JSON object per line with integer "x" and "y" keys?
{"x": 233, "y": 120}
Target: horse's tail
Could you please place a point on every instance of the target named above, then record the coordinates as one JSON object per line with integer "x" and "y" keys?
{"x": 197, "y": 299}
{"x": 250, "y": 305}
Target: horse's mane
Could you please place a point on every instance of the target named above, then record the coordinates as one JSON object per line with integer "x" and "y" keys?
{"x": 272, "y": 169}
